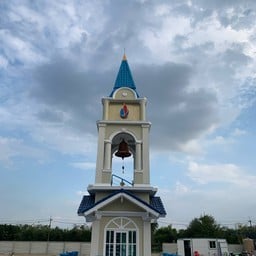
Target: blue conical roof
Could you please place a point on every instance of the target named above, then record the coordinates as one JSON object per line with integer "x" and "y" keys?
{"x": 124, "y": 77}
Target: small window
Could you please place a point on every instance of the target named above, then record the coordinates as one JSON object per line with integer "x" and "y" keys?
{"x": 212, "y": 244}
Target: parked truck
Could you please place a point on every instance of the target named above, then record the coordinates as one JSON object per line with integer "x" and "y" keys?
{"x": 202, "y": 247}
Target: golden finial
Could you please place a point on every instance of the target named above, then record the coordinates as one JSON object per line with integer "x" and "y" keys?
{"x": 124, "y": 57}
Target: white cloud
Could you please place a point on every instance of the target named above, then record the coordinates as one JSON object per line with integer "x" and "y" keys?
{"x": 11, "y": 148}
{"x": 181, "y": 188}
{"x": 192, "y": 147}
{"x": 54, "y": 132}
{"x": 7, "y": 149}
{"x": 220, "y": 173}
{"x": 220, "y": 141}
{"x": 238, "y": 132}
{"x": 3, "y": 62}
{"x": 84, "y": 165}
{"x": 225, "y": 200}
{"x": 16, "y": 49}
{"x": 63, "y": 139}
{"x": 195, "y": 63}
{"x": 211, "y": 30}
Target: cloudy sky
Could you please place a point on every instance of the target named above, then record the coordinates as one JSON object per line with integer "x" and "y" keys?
{"x": 195, "y": 62}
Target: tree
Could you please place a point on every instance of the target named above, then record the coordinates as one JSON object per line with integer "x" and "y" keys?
{"x": 40, "y": 233}
{"x": 231, "y": 235}
{"x": 204, "y": 226}
{"x": 247, "y": 232}
{"x": 165, "y": 235}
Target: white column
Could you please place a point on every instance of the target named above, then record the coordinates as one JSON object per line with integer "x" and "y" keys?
{"x": 143, "y": 109}
{"x": 145, "y": 153}
{"x": 138, "y": 156}
{"x": 100, "y": 153}
{"x": 95, "y": 238}
{"x": 107, "y": 155}
{"x": 105, "y": 108}
{"x": 147, "y": 238}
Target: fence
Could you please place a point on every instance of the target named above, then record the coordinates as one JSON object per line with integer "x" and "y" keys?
{"x": 50, "y": 248}
{"x": 55, "y": 248}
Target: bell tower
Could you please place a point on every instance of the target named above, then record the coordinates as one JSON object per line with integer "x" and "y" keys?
{"x": 121, "y": 215}
{"x": 123, "y": 124}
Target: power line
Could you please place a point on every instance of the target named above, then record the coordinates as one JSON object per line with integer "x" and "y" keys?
{"x": 41, "y": 221}
{"x": 73, "y": 221}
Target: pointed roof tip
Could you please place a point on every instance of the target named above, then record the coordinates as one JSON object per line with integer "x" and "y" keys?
{"x": 124, "y": 77}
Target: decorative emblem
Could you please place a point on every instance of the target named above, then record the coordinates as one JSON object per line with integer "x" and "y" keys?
{"x": 124, "y": 111}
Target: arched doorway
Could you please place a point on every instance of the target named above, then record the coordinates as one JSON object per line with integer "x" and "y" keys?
{"x": 121, "y": 237}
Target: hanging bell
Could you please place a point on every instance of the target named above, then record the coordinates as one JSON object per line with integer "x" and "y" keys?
{"x": 123, "y": 150}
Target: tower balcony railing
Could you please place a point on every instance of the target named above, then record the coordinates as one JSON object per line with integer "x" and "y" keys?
{"x": 121, "y": 180}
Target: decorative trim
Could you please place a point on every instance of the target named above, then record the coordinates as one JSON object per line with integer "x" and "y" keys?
{"x": 101, "y": 124}
{"x": 126, "y": 196}
{"x": 143, "y": 215}
{"x": 126, "y": 88}
{"x": 122, "y": 122}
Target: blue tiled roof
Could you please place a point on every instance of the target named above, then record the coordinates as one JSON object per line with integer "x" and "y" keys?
{"x": 88, "y": 202}
{"x": 124, "y": 77}
{"x": 156, "y": 203}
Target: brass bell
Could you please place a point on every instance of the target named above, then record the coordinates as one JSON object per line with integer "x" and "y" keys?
{"x": 123, "y": 150}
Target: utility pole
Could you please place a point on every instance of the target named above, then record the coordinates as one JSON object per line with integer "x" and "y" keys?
{"x": 250, "y": 222}
{"x": 250, "y": 228}
{"x": 48, "y": 236}
{"x": 49, "y": 229}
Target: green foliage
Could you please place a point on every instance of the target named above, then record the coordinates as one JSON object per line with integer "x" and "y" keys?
{"x": 231, "y": 235}
{"x": 154, "y": 227}
{"x": 247, "y": 232}
{"x": 165, "y": 235}
{"x": 9, "y": 232}
{"x": 202, "y": 227}
{"x": 43, "y": 233}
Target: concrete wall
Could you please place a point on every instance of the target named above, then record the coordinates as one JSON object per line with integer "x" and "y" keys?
{"x": 51, "y": 248}
{"x": 44, "y": 248}
{"x": 235, "y": 248}
{"x": 170, "y": 248}
{"x": 55, "y": 248}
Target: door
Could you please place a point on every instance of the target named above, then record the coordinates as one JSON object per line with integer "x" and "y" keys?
{"x": 121, "y": 237}
{"x": 187, "y": 247}
{"x": 120, "y": 243}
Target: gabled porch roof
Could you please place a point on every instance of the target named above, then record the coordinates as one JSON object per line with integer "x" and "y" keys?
{"x": 88, "y": 204}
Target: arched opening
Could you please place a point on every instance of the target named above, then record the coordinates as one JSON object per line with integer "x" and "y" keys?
{"x": 123, "y": 168}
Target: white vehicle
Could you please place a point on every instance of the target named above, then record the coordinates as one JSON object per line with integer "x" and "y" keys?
{"x": 202, "y": 247}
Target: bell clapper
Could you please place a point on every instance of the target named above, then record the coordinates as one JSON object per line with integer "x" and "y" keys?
{"x": 123, "y": 166}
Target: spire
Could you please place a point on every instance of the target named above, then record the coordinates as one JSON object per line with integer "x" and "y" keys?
{"x": 124, "y": 77}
